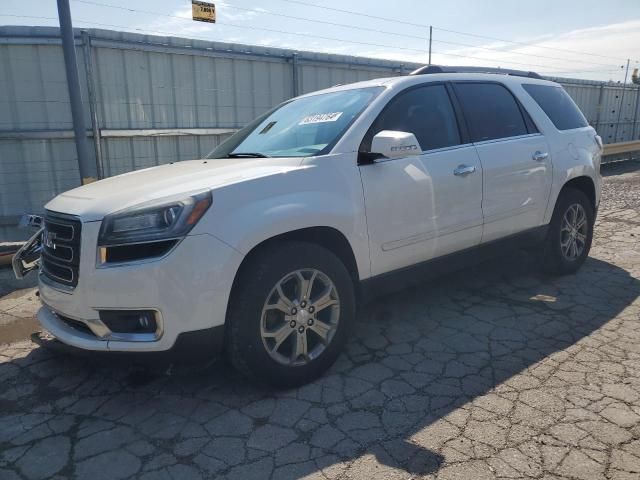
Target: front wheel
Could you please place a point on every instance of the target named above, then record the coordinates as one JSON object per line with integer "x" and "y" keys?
{"x": 570, "y": 233}
{"x": 289, "y": 313}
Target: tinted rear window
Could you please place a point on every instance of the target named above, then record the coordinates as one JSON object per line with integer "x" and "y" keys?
{"x": 491, "y": 111}
{"x": 558, "y": 106}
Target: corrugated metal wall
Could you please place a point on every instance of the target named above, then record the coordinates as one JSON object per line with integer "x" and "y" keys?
{"x": 600, "y": 103}
{"x": 162, "y": 99}
{"x": 157, "y": 100}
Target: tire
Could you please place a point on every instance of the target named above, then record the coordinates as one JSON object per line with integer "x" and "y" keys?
{"x": 258, "y": 310}
{"x": 558, "y": 255}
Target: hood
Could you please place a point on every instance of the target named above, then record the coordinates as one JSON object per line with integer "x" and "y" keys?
{"x": 93, "y": 201}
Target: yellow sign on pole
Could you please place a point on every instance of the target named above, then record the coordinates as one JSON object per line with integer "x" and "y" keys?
{"x": 203, "y": 11}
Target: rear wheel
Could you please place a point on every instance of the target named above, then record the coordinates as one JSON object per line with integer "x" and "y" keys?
{"x": 289, "y": 313}
{"x": 570, "y": 233}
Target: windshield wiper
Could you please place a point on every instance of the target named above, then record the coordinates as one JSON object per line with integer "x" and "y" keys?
{"x": 248, "y": 154}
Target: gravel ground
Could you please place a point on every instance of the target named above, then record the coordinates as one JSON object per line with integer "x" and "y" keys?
{"x": 493, "y": 372}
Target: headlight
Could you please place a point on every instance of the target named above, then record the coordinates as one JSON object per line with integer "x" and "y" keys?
{"x": 160, "y": 220}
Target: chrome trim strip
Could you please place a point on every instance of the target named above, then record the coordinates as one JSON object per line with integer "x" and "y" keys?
{"x": 50, "y": 274}
{"x": 97, "y": 327}
{"x": 141, "y": 261}
{"x": 61, "y": 216}
{"x": 64, "y": 239}
{"x": 426, "y": 236}
{"x": 426, "y": 152}
{"x": 136, "y": 337}
{"x": 72, "y": 243}
{"x": 446, "y": 149}
{"x": 126, "y": 244}
{"x": 102, "y": 332}
{"x": 510, "y": 213}
{"x": 60, "y": 246}
{"x": 507, "y": 139}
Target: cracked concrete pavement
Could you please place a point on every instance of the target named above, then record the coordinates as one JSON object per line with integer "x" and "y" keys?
{"x": 493, "y": 372}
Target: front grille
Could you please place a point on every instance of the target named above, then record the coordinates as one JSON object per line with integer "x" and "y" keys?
{"x": 61, "y": 248}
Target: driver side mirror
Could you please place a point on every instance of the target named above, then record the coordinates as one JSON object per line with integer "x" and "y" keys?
{"x": 395, "y": 144}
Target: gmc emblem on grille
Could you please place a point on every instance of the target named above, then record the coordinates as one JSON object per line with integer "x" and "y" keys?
{"x": 48, "y": 238}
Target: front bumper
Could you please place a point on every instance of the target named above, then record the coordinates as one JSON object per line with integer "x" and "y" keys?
{"x": 193, "y": 344}
{"x": 188, "y": 288}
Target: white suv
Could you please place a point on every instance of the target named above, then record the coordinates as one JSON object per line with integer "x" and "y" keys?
{"x": 265, "y": 248}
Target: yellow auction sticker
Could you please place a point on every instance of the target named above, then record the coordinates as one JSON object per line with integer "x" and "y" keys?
{"x": 203, "y": 11}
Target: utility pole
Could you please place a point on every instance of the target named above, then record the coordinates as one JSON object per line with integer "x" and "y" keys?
{"x": 93, "y": 104}
{"x": 430, "y": 39}
{"x": 624, "y": 86}
{"x": 88, "y": 171}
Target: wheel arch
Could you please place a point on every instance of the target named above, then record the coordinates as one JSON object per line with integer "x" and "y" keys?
{"x": 327, "y": 237}
{"x": 243, "y": 336}
{"x": 554, "y": 259}
{"x": 583, "y": 183}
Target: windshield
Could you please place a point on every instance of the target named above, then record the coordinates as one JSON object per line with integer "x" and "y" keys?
{"x": 299, "y": 128}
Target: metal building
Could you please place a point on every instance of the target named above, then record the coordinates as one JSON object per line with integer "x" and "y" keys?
{"x": 153, "y": 100}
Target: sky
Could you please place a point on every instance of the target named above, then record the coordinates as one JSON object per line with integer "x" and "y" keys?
{"x": 590, "y": 39}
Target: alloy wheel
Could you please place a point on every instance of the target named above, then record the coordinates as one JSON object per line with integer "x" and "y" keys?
{"x": 300, "y": 317}
{"x": 573, "y": 232}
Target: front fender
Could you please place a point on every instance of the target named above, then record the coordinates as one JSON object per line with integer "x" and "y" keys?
{"x": 246, "y": 214}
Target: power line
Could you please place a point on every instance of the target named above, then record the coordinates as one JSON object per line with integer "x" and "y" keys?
{"x": 386, "y": 32}
{"x": 351, "y": 12}
{"x": 111, "y": 25}
{"x": 244, "y": 26}
{"x": 511, "y": 52}
{"x": 272, "y": 31}
{"x": 283, "y": 15}
{"x": 377, "y": 31}
{"x": 421, "y": 25}
{"x": 28, "y": 16}
{"x": 356, "y": 27}
{"x": 493, "y": 60}
{"x": 339, "y": 39}
{"x": 525, "y": 44}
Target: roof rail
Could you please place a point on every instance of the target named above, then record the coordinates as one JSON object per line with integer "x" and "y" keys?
{"x": 428, "y": 69}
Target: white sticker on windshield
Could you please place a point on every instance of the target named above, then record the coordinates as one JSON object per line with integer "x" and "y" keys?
{"x": 320, "y": 118}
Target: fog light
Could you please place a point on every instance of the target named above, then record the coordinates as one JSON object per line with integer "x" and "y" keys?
{"x": 129, "y": 321}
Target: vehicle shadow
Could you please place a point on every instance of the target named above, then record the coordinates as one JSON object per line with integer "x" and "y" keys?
{"x": 415, "y": 358}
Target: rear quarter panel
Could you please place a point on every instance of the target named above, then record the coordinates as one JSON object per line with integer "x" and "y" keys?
{"x": 574, "y": 153}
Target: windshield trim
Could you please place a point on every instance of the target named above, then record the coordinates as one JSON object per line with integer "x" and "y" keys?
{"x": 237, "y": 138}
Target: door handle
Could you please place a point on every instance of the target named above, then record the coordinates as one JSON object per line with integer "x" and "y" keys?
{"x": 464, "y": 170}
{"x": 539, "y": 156}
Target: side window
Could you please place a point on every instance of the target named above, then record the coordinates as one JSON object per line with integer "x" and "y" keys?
{"x": 531, "y": 127}
{"x": 426, "y": 112}
{"x": 558, "y": 106}
{"x": 491, "y": 111}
